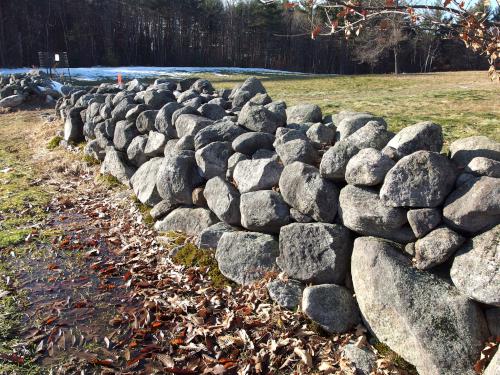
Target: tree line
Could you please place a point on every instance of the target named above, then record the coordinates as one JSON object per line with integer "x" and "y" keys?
{"x": 214, "y": 33}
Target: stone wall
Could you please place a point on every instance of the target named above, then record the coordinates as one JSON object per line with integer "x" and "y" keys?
{"x": 364, "y": 225}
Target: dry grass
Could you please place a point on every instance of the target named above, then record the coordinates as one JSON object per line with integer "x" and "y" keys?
{"x": 464, "y": 103}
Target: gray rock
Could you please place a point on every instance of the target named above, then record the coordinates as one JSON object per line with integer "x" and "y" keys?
{"x": 284, "y": 135}
{"x": 209, "y": 237}
{"x": 73, "y": 130}
{"x": 286, "y": 293}
{"x": 135, "y": 151}
{"x": 361, "y": 210}
{"x": 259, "y": 174}
{"x": 115, "y": 164}
{"x": 334, "y": 162}
{"x": 155, "y": 145}
{"x": 463, "y": 178}
{"x": 156, "y": 99}
{"x": 423, "y": 220}
{"x": 144, "y": 182}
{"x": 321, "y": 135}
{"x": 224, "y": 200}
{"x": 425, "y": 136}
{"x": 240, "y": 98}
{"x": 212, "y": 111}
{"x": 252, "y": 86}
{"x": 299, "y": 217}
{"x": 415, "y": 312}
{"x": 185, "y": 84}
{"x": 331, "y": 306}
{"x": 264, "y": 211}
{"x": 493, "y": 320}
{"x": 474, "y": 206}
{"x": 349, "y": 123}
{"x": 191, "y": 221}
{"x": 162, "y": 209}
{"x": 304, "y": 189}
{"x": 297, "y": 151}
{"x": 362, "y": 359}
{"x": 231, "y": 164}
{"x": 475, "y": 271}
{"x": 12, "y": 101}
{"x": 436, "y": 247}
{"x": 368, "y": 167}
{"x": 94, "y": 150}
{"x": 278, "y": 109}
{"x": 187, "y": 95}
{"x": 422, "y": 179}
{"x": 120, "y": 111}
{"x": 177, "y": 177}
{"x": 482, "y": 166}
{"x": 248, "y": 143}
{"x": 246, "y": 257}
{"x": 373, "y": 134}
{"x": 258, "y": 118}
{"x": 125, "y": 132}
{"x": 220, "y": 131}
{"x": 266, "y": 154}
{"x": 203, "y": 86}
{"x": 304, "y": 113}
{"x": 145, "y": 121}
{"x": 315, "y": 253}
{"x": 163, "y": 121}
{"x": 465, "y": 149}
{"x": 212, "y": 159}
{"x": 190, "y": 124}
{"x": 261, "y": 99}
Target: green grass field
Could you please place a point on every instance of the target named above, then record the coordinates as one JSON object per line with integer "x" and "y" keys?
{"x": 464, "y": 103}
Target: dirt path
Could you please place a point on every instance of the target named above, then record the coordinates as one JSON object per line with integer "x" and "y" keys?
{"x": 86, "y": 285}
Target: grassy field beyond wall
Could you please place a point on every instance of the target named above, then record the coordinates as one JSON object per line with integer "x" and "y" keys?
{"x": 464, "y": 103}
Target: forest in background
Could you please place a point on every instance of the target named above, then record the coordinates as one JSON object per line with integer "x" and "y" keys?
{"x": 214, "y": 33}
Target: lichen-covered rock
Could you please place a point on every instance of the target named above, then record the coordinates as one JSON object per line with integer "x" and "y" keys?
{"x": 212, "y": 159}
{"x": 362, "y": 359}
{"x": 349, "y": 123}
{"x": 223, "y": 199}
{"x": 259, "y": 174}
{"x": 191, "y": 221}
{"x": 422, "y": 179}
{"x": 136, "y": 150}
{"x": 304, "y": 189}
{"x": 297, "y": 150}
{"x": 415, "y": 312}
{"x": 475, "y": 270}
{"x": 125, "y": 132}
{"x": 286, "y": 293}
{"x": 115, "y": 165}
{"x": 162, "y": 209}
{"x": 436, "y": 247}
{"x": 321, "y": 135}
{"x": 423, "y": 220}
{"x": 368, "y": 167}
{"x": 155, "y": 145}
{"x": 465, "y": 149}
{"x": 315, "y": 252}
{"x": 220, "y": 131}
{"x": 264, "y": 211}
{"x": 245, "y": 257}
{"x": 331, "y": 306}
{"x": 233, "y": 160}
{"x": 258, "y": 118}
{"x": 209, "y": 237}
{"x": 422, "y": 136}
{"x": 474, "y": 206}
{"x": 303, "y": 113}
{"x": 188, "y": 124}
{"x": 143, "y": 182}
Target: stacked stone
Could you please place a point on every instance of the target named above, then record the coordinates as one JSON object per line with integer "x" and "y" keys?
{"x": 338, "y": 204}
{"x": 16, "y": 89}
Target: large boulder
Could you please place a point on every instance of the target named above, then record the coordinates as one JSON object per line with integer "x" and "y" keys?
{"x": 145, "y": 121}
{"x": 125, "y": 132}
{"x": 223, "y": 199}
{"x": 155, "y": 145}
{"x": 73, "y": 129}
{"x": 475, "y": 270}
{"x": 321, "y": 135}
{"x": 250, "y": 142}
{"x": 177, "y": 177}
{"x": 422, "y": 136}
{"x": 156, "y": 99}
{"x": 368, "y": 167}
{"x": 423, "y": 220}
{"x": 258, "y": 174}
{"x": 188, "y": 124}
{"x": 331, "y": 306}
{"x": 361, "y": 210}
{"x": 220, "y": 131}
{"x": 191, "y": 221}
{"x": 144, "y": 182}
{"x": 419, "y": 316}
{"x": 303, "y": 113}
{"x": 466, "y": 149}
{"x": 349, "y": 123}
{"x": 115, "y": 164}
{"x": 474, "y": 206}
{"x": 304, "y": 189}
{"x": 422, "y": 179}
{"x": 315, "y": 253}
{"x": 212, "y": 159}
{"x": 136, "y": 150}
{"x": 297, "y": 150}
{"x": 264, "y": 211}
{"x": 246, "y": 257}
{"x": 436, "y": 247}
{"x": 258, "y": 118}
{"x": 163, "y": 120}
{"x": 12, "y": 101}
{"x": 212, "y": 111}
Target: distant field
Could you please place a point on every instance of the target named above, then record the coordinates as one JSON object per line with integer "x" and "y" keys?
{"x": 464, "y": 103}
